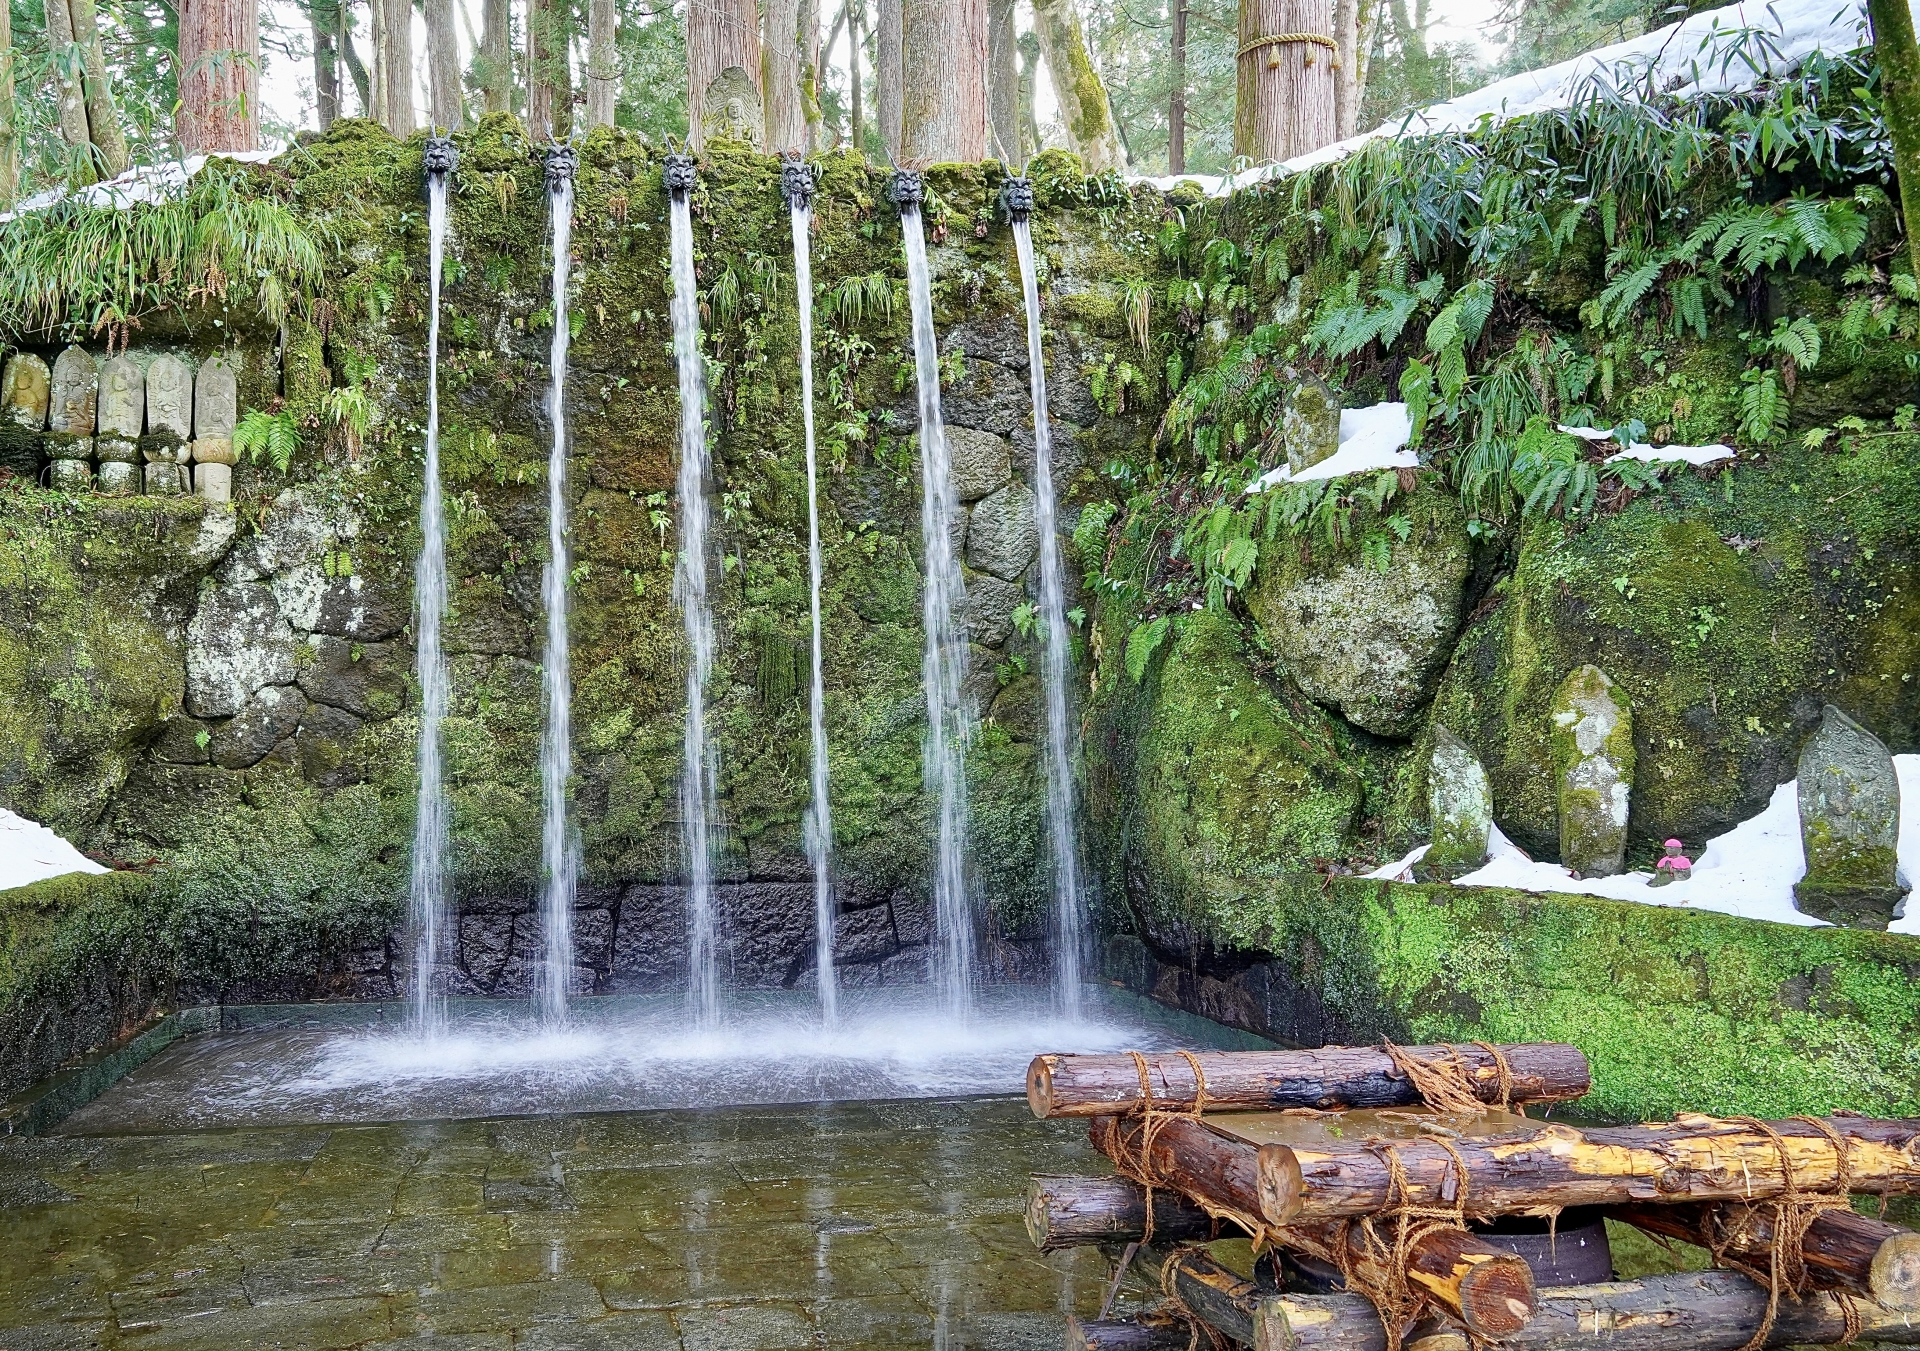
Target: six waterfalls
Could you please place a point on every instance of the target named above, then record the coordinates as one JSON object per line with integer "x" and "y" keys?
{"x": 559, "y": 857}
{"x": 697, "y": 799}
{"x": 944, "y": 658}
{"x": 428, "y": 886}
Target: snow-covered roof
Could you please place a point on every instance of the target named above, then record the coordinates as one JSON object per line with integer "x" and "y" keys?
{"x": 1704, "y": 53}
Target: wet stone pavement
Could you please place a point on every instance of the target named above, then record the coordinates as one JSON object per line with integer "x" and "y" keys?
{"x": 860, "y": 1226}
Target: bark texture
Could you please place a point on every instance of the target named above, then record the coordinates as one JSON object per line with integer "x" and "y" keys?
{"x": 1177, "y": 100}
{"x": 856, "y": 109}
{"x": 549, "y": 75}
{"x": 780, "y": 75}
{"x": 1070, "y": 1212}
{"x": 377, "y": 77}
{"x": 1077, "y": 87}
{"x": 1354, "y": 22}
{"x": 888, "y": 73}
{"x": 1003, "y": 82}
{"x": 1148, "y": 1332}
{"x": 70, "y": 88}
{"x": 1691, "y": 1311}
{"x": 1225, "y": 1300}
{"x": 1560, "y": 1166}
{"x": 494, "y": 65}
{"x": 103, "y": 118}
{"x": 721, "y": 34}
{"x": 1332, "y": 1076}
{"x": 446, "y": 107}
{"x": 603, "y": 62}
{"x": 943, "y": 106}
{"x": 809, "y": 43}
{"x": 1284, "y": 100}
{"x": 396, "y": 43}
{"x": 219, "y": 51}
{"x": 1898, "y": 56}
{"x": 324, "y": 18}
{"x": 9, "y": 116}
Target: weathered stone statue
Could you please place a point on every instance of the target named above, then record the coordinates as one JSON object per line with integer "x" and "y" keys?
{"x": 1849, "y": 825}
{"x": 24, "y": 391}
{"x": 122, "y": 414}
{"x": 733, "y": 108}
{"x": 1310, "y": 426}
{"x": 75, "y": 397}
{"x": 1593, "y": 763}
{"x": 216, "y": 400}
{"x": 170, "y": 399}
{"x": 1460, "y": 807}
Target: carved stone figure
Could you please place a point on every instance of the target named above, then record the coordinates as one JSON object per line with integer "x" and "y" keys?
{"x": 1310, "y": 426}
{"x": 1593, "y": 763}
{"x": 76, "y": 393}
{"x": 1849, "y": 825}
{"x": 24, "y": 391}
{"x": 734, "y": 111}
{"x": 216, "y": 400}
{"x": 123, "y": 398}
{"x": 170, "y": 398}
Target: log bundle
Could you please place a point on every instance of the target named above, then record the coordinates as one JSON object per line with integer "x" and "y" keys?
{"x": 1292, "y": 1150}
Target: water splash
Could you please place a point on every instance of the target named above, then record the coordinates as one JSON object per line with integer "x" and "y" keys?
{"x": 798, "y": 186}
{"x": 690, "y": 593}
{"x": 1068, "y": 914}
{"x": 944, "y": 658}
{"x": 427, "y": 890}
{"x": 559, "y": 852}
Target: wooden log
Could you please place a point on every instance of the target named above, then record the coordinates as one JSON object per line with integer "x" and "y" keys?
{"x": 1695, "y": 1159}
{"x": 1067, "y": 1212}
{"x": 1489, "y": 1289}
{"x": 1148, "y": 1332}
{"x": 1224, "y": 1300}
{"x": 1689, "y": 1311}
{"x": 1332, "y": 1076}
{"x": 1842, "y": 1250}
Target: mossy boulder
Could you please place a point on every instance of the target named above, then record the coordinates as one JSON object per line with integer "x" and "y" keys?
{"x": 1369, "y": 641}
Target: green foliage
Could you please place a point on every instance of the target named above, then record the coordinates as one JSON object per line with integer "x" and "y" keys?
{"x": 268, "y": 438}
{"x": 1142, "y": 643}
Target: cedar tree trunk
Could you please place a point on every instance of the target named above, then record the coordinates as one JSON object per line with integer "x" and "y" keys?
{"x": 943, "y": 105}
{"x": 720, "y": 34}
{"x": 219, "y": 75}
{"x": 603, "y": 62}
{"x": 1076, "y": 86}
{"x": 1003, "y": 83}
{"x": 887, "y": 74}
{"x": 1284, "y": 102}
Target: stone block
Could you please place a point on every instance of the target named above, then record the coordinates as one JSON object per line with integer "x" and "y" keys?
{"x": 1849, "y": 825}
{"x": 980, "y": 462}
{"x": 25, "y": 388}
{"x": 1002, "y": 536}
{"x": 213, "y": 450}
{"x": 165, "y": 480}
{"x": 119, "y": 479}
{"x": 1593, "y": 761}
{"x": 116, "y": 450}
{"x": 363, "y": 678}
{"x": 1310, "y": 426}
{"x": 1459, "y": 808}
{"x": 237, "y": 642}
{"x": 214, "y": 482}
{"x": 986, "y": 613}
{"x": 69, "y": 476}
{"x": 263, "y": 722}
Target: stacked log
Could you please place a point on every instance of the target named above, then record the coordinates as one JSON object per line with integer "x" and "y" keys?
{"x": 1389, "y": 1213}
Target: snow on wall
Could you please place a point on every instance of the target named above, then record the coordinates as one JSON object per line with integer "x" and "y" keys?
{"x": 1700, "y": 54}
{"x": 30, "y": 853}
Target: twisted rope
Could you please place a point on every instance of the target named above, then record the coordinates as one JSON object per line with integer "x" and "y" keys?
{"x": 1276, "y": 39}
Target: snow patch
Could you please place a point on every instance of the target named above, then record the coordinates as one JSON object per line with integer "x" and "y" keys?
{"x": 1702, "y": 54}
{"x": 1749, "y": 871}
{"x": 143, "y": 183}
{"x": 29, "y": 852}
{"x": 1370, "y": 438}
{"x": 1640, "y": 450}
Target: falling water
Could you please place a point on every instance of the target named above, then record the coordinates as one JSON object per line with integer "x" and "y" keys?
{"x": 1068, "y": 915}
{"x": 558, "y": 856}
{"x": 690, "y": 593}
{"x": 943, "y": 662}
{"x": 427, "y": 1009}
{"x": 798, "y": 186}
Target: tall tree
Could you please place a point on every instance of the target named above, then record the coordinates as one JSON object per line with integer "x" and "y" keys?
{"x": 857, "y": 132}
{"x": 396, "y": 42}
{"x": 1003, "y": 82}
{"x": 219, "y": 75}
{"x": 943, "y": 108}
{"x": 809, "y": 44}
{"x": 1895, "y": 51}
{"x": 323, "y": 16}
{"x": 350, "y": 57}
{"x": 1177, "y": 99}
{"x": 549, "y": 71}
{"x": 493, "y": 64}
{"x": 1284, "y": 104}
{"x": 103, "y": 118}
{"x": 780, "y": 75}
{"x": 1354, "y": 26}
{"x": 446, "y": 108}
{"x": 1029, "y": 82}
{"x": 1076, "y": 86}
{"x": 377, "y": 31}
{"x": 9, "y": 116}
{"x": 722, "y": 35}
{"x": 69, "y": 81}
{"x": 888, "y": 73}
{"x": 603, "y": 61}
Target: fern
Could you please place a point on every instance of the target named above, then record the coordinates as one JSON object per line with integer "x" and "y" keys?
{"x": 1142, "y": 643}
{"x": 271, "y": 438}
{"x": 1763, "y": 407}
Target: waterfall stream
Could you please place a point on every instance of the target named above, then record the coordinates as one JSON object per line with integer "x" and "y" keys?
{"x": 697, "y": 804}
{"x": 819, "y": 828}
{"x": 944, "y": 656}
{"x": 559, "y": 857}
{"x": 1069, "y": 923}
{"x": 427, "y": 890}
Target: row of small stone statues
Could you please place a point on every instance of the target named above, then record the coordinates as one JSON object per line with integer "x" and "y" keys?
{"x": 1847, "y": 786}
{"x": 124, "y": 414}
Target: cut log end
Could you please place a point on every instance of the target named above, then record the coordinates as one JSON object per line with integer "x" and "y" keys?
{"x": 1040, "y": 1087}
{"x": 1282, "y": 1188}
{"x": 1497, "y": 1297}
{"x": 1894, "y": 1278}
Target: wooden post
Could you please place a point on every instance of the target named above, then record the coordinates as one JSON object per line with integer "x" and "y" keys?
{"x": 1284, "y": 98}
{"x": 1842, "y": 1250}
{"x": 1067, "y": 1212}
{"x": 1690, "y": 1311}
{"x": 1332, "y": 1076}
{"x": 1700, "y": 1159}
